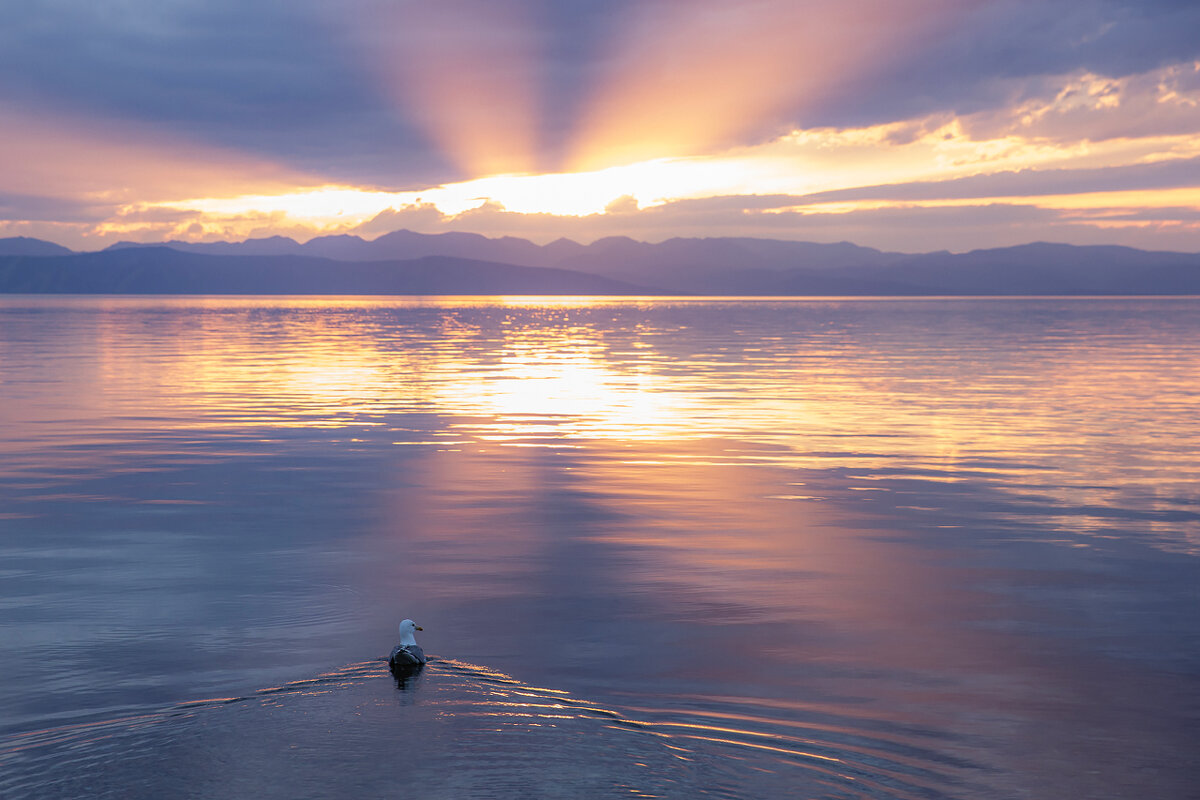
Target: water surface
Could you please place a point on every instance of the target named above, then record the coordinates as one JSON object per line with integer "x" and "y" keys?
{"x": 660, "y": 547}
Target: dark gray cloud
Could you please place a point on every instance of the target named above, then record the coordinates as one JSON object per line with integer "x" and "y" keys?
{"x": 991, "y": 53}
{"x": 15, "y": 207}
{"x": 268, "y": 78}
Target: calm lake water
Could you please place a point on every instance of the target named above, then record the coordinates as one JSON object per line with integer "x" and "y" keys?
{"x": 659, "y": 547}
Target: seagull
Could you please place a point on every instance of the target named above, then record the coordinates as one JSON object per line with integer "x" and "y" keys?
{"x": 408, "y": 654}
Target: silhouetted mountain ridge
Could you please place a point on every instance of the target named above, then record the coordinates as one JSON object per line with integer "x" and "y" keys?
{"x": 164, "y": 270}
{"x": 25, "y": 246}
{"x": 720, "y": 266}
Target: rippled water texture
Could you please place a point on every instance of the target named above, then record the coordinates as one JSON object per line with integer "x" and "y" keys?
{"x": 659, "y": 548}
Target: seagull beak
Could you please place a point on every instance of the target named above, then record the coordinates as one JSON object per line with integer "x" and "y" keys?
{"x": 420, "y": 628}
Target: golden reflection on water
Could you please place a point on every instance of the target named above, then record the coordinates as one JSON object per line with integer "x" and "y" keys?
{"x": 789, "y": 383}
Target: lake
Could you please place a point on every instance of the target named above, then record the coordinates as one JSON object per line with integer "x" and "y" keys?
{"x": 658, "y": 547}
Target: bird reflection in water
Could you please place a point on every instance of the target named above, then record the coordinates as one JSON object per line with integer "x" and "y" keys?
{"x": 407, "y": 676}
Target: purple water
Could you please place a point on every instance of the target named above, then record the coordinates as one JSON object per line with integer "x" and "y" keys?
{"x": 659, "y": 548}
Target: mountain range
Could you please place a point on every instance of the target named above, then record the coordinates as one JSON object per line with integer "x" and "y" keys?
{"x": 405, "y": 262}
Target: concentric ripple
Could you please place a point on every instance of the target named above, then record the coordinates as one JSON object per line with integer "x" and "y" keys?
{"x": 510, "y": 738}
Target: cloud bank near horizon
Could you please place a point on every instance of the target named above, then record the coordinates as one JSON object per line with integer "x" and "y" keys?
{"x": 913, "y": 125}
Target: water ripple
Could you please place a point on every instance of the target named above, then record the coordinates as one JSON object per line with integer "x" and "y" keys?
{"x": 507, "y": 731}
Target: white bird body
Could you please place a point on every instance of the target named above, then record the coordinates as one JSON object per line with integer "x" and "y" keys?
{"x": 408, "y": 653}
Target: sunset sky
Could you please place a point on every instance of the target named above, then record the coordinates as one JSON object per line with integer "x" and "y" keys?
{"x": 909, "y": 125}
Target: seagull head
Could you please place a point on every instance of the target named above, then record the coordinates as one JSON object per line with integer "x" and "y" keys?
{"x": 407, "y": 629}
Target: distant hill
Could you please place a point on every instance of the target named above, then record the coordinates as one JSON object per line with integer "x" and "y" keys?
{"x": 24, "y": 246}
{"x": 616, "y": 256}
{"x": 390, "y": 246}
{"x": 162, "y": 270}
{"x": 458, "y": 263}
{"x": 1043, "y": 268}
{"x": 720, "y": 265}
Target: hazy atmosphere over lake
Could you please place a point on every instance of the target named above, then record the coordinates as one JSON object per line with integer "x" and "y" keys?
{"x": 777, "y": 399}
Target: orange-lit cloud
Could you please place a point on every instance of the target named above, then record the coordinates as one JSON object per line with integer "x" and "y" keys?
{"x": 96, "y": 180}
{"x": 107, "y": 162}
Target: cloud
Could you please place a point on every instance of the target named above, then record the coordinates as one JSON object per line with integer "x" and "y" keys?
{"x": 263, "y": 78}
{"x": 405, "y": 94}
{"x": 901, "y": 228}
{"x": 37, "y": 208}
{"x": 1085, "y": 106}
{"x": 417, "y": 217}
{"x": 146, "y": 119}
{"x": 1169, "y": 174}
{"x": 86, "y": 160}
{"x": 987, "y": 54}
{"x": 625, "y": 204}
{"x": 77, "y": 180}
